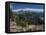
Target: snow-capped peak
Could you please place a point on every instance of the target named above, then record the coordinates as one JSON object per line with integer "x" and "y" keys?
{"x": 28, "y": 9}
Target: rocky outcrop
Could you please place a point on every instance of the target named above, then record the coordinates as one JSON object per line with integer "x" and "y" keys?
{"x": 15, "y": 28}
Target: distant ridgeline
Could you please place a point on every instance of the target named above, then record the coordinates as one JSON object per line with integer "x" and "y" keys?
{"x": 26, "y": 18}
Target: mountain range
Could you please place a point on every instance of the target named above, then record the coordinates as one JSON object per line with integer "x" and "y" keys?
{"x": 38, "y": 12}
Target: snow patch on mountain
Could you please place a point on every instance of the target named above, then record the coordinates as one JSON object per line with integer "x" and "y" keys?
{"x": 28, "y": 9}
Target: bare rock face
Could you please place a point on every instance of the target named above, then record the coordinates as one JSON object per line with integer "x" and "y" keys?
{"x": 40, "y": 27}
{"x": 36, "y": 27}
{"x": 33, "y": 28}
{"x": 15, "y": 28}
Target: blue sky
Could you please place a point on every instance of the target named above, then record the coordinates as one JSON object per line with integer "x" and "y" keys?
{"x": 15, "y": 6}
